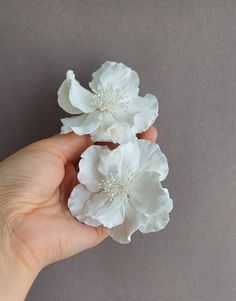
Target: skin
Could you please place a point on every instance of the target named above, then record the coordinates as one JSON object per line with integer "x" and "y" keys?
{"x": 36, "y": 228}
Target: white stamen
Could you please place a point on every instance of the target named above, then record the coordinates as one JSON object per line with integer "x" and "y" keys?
{"x": 115, "y": 186}
{"x": 109, "y": 99}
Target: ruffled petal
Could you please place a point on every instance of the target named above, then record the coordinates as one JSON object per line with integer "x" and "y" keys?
{"x": 80, "y": 125}
{"x": 156, "y": 222}
{"x": 147, "y": 195}
{"x": 124, "y": 116}
{"x": 106, "y": 121}
{"x": 77, "y": 199}
{"x": 119, "y": 132}
{"x": 88, "y": 220}
{"x": 101, "y": 209}
{"x": 124, "y": 161}
{"x": 89, "y": 174}
{"x": 152, "y": 159}
{"x": 96, "y": 82}
{"x": 63, "y": 94}
{"x": 117, "y": 76}
{"x": 111, "y": 214}
{"x": 146, "y": 112}
{"x": 96, "y": 201}
{"x": 77, "y": 202}
{"x": 133, "y": 220}
{"x": 79, "y": 96}
{"x": 112, "y": 131}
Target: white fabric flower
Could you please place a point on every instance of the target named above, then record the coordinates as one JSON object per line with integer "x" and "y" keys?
{"x": 113, "y": 111}
{"x": 121, "y": 189}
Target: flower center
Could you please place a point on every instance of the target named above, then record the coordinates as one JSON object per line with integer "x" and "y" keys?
{"x": 114, "y": 186}
{"x": 109, "y": 99}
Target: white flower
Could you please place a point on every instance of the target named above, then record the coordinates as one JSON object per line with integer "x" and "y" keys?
{"x": 121, "y": 189}
{"x": 113, "y": 111}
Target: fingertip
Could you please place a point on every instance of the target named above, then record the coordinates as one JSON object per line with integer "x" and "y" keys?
{"x": 151, "y": 134}
{"x": 102, "y": 232}
{"x": 70, "y": 145}
{"x": 97, "y": 235}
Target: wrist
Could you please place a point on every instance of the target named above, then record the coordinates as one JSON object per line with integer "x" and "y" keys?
{"x": 15, "y": 278}
{"x": 17, "y": 273}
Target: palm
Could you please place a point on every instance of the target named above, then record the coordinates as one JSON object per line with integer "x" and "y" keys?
{"x": 48, "y": 230}
{"x": 37, "y": 182}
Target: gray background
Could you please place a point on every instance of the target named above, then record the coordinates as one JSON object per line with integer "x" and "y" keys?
{"x": 185, "y": 53}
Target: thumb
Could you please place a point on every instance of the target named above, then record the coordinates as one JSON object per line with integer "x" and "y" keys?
{"x": 68, "y": 147}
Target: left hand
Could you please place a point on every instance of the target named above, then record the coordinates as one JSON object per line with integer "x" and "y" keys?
{"x": 35, "y": 183}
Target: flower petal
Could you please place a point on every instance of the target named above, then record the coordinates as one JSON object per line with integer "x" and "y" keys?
{"x": 77, "y": 202}
{"x": 118, "y": 76}
{"x": 80, "y": 125}
{"x": 147, "y": 195}
{"x": 103, "y": 210}
{"x": 152, "y": 159}
{"x": 96, "y": 82}
{"x": 125, "y": 116}
{"x": 133, "y": 219}
{"x": 111, "y": 214}
{"x": 77, "y": 199}
{"x": 88, "y": 220}
{"x": 106, "y": 121}
{"x": 88, "y": 173}
{"x": 123, "y": 160}
{"x": 63, "y": 94}
{"x": 119, "y": 132}
{"x": 156, "y": 222}
{"x": 81, "y": 98}
{"x": 147, "y": 112}
{"x": 112, "y": 131}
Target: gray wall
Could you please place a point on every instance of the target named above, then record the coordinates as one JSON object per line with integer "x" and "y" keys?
{"x": 185, "y": 53}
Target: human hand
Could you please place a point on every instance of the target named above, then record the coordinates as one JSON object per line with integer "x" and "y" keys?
{"x": 35, "y": 225}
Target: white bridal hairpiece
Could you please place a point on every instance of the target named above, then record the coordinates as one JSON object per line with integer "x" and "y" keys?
{"x": 113, "y": 111}
{"x": 121, "y": 188}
